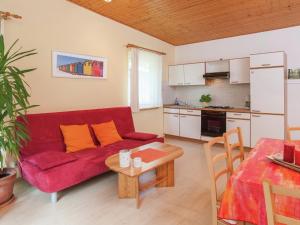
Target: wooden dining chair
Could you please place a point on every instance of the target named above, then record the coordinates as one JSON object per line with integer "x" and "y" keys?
{"x": 212, "y": 160}
{"x": 233, "y": 139}
{"x": 269, "y": 192}
{"x": 290, "y": 130}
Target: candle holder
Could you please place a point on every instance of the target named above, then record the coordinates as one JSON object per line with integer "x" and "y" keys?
{"x": 289, "y": 153}
{"x": 297, "y": 155}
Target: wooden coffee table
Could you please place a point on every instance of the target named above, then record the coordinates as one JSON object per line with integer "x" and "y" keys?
{"x": 128, "y": 178}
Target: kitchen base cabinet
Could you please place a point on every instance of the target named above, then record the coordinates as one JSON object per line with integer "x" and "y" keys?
{"x": 171, "y": 124}
{"x": 190, "y": 126}
{"x": 245, "y": 129}
{"x": 266, "y": 126}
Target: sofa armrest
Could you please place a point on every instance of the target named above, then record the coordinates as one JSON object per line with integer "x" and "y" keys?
{"x": 140, "y": 136}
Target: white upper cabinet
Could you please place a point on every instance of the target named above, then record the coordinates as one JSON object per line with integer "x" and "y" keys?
{"x": 193, "y": 74}
{"x": 267, "y": 60}
{"x": 217, "y": 66}
{"x": 239, "y": 71}
{"x": 267, "y": 90}
{"x": 176, "y": 75}
{"x": 188, "y": 74}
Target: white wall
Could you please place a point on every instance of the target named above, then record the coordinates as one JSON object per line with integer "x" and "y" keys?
{"x": 278, "y": 40}
{"x": 49, "y": 25}
{"x": 287, "y": 40}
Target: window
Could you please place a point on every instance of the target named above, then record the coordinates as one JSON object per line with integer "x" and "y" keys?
{"x": 145, "y": 79}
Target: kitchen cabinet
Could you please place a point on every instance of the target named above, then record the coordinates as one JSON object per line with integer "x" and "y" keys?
{"x": 171, "y": 124}
{"x": 190, "y": 126}
{"x": 176, "y": 75}
{"x": 188, "y": 74}
{"x": 271, "y": 59}
{"x": 240, "y": 71}
{"x": 266, "y": 126}
{"x": 193, "y": 74}
{"x": 267, "y": 90}
{"x": 217, "y": 66}
{"x": 244, "y": 124}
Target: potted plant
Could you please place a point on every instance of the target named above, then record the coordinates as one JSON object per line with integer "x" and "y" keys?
{"x": 14, "y": 101}
{"x": 205, "y": 99}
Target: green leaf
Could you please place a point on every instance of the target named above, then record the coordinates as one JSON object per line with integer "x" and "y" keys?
{"x": 14, "y": 100}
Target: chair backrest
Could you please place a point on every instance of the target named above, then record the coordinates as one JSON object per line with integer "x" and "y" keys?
{"x": 214, "y": 176}
{"x": 269, "y": 192}
{"x": 233, "y": 139}
{"x": 289, "y": 133}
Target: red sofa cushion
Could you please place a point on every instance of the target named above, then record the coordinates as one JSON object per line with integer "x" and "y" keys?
{"x": 140, "y": 136}
{"x": 49, "y": 159}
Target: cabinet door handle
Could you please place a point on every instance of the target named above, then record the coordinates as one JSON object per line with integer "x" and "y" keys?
{"x": 234, "y": 82}
{"x": 267, "y": 64}
{"x": 176, "y": 116}
{"x": 237, "y": 114}
{"x": 255, "y": 116}
{"x": 182, "y": 116}
{"x": 230, "y": 120}
{"x": 189, "y": 110}
{"x": 255, "y": 110}
{"x": 187, "y": 83}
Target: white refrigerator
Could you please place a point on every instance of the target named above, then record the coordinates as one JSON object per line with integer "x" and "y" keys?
{"x": 268, "y": 98}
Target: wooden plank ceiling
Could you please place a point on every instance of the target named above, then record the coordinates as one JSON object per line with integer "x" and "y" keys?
{"x": 181, "y": 22}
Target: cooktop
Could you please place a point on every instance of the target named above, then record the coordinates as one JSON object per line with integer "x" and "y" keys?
{"x": 218, "y": 107}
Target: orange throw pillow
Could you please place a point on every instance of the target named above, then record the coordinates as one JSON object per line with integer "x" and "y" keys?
{"x": 77, "y": 137}
{"x": 106, "y": 133}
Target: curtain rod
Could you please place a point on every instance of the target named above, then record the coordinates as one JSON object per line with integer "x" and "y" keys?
{"x": 8, "y": 15}
{"x": 146, "y": 49}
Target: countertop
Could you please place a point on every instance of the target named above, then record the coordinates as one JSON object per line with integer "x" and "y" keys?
{"x": 239, "y": 110}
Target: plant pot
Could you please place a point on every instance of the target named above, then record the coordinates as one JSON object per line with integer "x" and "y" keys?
{"x": 7, "y": 181}
{"x": 204, "y": 104}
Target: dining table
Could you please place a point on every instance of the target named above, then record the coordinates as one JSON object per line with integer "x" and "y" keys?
{"x": 243, "y": 199}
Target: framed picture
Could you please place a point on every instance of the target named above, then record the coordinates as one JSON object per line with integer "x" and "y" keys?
{"x": 78, "y": 66}
{"x": 294, "y": 74}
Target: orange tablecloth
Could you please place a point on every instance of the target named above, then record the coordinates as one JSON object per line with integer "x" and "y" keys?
{"x": 149, "y": 154}
{"x": 244, "y": 199}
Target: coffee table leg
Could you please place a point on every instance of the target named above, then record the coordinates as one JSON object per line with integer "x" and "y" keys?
{"x": 166, "y": 171}
{"x": 129, "y": 187}
{"x": 137, "y": 192}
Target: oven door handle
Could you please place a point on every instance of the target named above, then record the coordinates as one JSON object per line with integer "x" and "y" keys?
{"x": 215, "y": 116}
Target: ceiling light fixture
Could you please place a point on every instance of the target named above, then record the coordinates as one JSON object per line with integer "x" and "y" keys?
{"x": 108, "y": 1}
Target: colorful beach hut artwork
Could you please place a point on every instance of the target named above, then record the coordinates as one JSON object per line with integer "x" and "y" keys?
{"x": 78, "y": 66}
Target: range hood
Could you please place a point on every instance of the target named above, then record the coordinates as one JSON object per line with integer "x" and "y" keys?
{"x": 217, "y": 69}
{"x": 216, "y": 75}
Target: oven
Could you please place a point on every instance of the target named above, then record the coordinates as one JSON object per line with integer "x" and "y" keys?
{"x": 213, "y": 123}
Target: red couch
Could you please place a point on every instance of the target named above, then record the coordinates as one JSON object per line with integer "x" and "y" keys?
{"x": 44, "y": 163}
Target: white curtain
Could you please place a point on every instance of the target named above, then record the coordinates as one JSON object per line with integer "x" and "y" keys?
{"x": 133, "y": 80}
{"x": 145, "y": 79}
